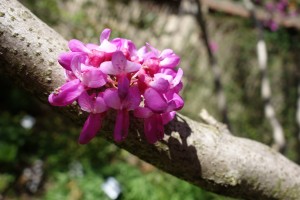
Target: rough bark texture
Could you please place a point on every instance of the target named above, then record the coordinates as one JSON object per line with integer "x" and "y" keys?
{"x": 201, "y": 154}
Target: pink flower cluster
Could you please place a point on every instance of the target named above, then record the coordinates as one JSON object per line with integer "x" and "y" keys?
{"x": 283, "y": 8}
{"x": 116, "y": 75}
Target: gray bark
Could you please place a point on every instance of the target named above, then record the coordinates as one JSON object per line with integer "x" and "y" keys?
{"x": 199, "y": 153}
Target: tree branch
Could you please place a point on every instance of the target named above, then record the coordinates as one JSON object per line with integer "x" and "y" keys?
{"x": 216, "y": 70}
{"x": 239, "y": 10}
{"x": 198, "y": 153}
{"x": 297, "y": 134}
{"x": 262, "y": 55}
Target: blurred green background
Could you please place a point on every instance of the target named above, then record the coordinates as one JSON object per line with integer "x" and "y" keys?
{"x": 39, "y": 154}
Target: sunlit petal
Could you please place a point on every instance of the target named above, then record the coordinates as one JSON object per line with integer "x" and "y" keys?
{"x": 105, "y": 35}
{"x": 155, "y": 101}
{"x": 66, "y": 94}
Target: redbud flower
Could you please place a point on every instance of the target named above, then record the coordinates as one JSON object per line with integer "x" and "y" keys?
{"x": 116, "y": 75}
{"x": 123, "y": 105}
{"x": 95, "y": 105}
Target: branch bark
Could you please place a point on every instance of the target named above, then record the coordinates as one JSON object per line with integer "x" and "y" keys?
{"x": 198, "y": 153}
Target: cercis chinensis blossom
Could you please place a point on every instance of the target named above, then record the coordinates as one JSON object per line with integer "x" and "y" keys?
{"x": 116, "y": 75}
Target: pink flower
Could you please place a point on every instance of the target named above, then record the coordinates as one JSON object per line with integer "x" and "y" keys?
{"x": 161, "y": 103}
{"x": 80, "y": 78}
{"x": 93, "y": 54}
{"x": 272, "y": 25}
{"x": 115, "y": 75}
{"x": 90, "y": 76}
{"x": 158, "y": 111}
{"x": 281, "y": 6}
{"x": 120, "y": 67}
{"x": 153, "y": 59}
{"x": 153, "y": 123}
{"x": 96, "y": 106}
{"x": 127, "y": 47}
{"x": 66, "y": 94}
{"x": 122, "y": 105}
{"x": 270, "y": 6}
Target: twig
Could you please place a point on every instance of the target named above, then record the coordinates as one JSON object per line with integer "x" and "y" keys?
{"x": 261, "y": 15}
{"x": 278, "y": 134}
{"x": 221, "y": 98}
{"x": 207, "y": 118}
{"x": 298, "y": 122}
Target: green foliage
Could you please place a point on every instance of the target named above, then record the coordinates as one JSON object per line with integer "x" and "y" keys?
{"x": 136, "y": 185}
{"x": 47, "y": 10}
{"x": 8, "y": 152}
{"x": 5, "y": 180}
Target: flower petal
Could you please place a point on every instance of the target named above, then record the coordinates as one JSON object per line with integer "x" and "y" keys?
{"x": 152, "y": 65}
{"x": 176, "y": 103}
{"x": 132, "y": 67}
{"x": 124, "y": 45}
{"x": 96, "y": 58}
{"x": 133, "y": 99}
{"x": 91, "y": 46}
{"x": 122, "y": 125}
{"x": 166, "y": 53}
{"x": 170, "y": 61}
{"x": 66, "y": 94}
{"x": 155, "y": 101}
{"x": 105, "y": 35}
{"x": 177, "y": 88}
{"x": 107, "y": 47}
{"x": 123, "y": 86}
{"x": 77, "y": 46}
{"x": 65, "y": 59}
{"x": 94, "y": 78}
{"x": 143, "y": 112}
{"x": 179, "y": 101}
{"x": 119, "y": 65}
{"x": 160, "y": 84}
{"x": 85, "y": 102}
{"x": 177, "y": 78}
{"x": 108, "y": 68}
{"x": 153, "y": 128}
{"x": 76, "y": 66}
{"x": 167, "y": 77}
{"x": 128, "y": 47}
{"x": 99, "y": 104}
{"x": 155, "y": 51}
{"x": 70, "y": 75}
{"x": 91, "y": 126}
{"x": 112, "y": 99}
{"x": 167, "y": 117}
{"x": 119, "y": 62}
